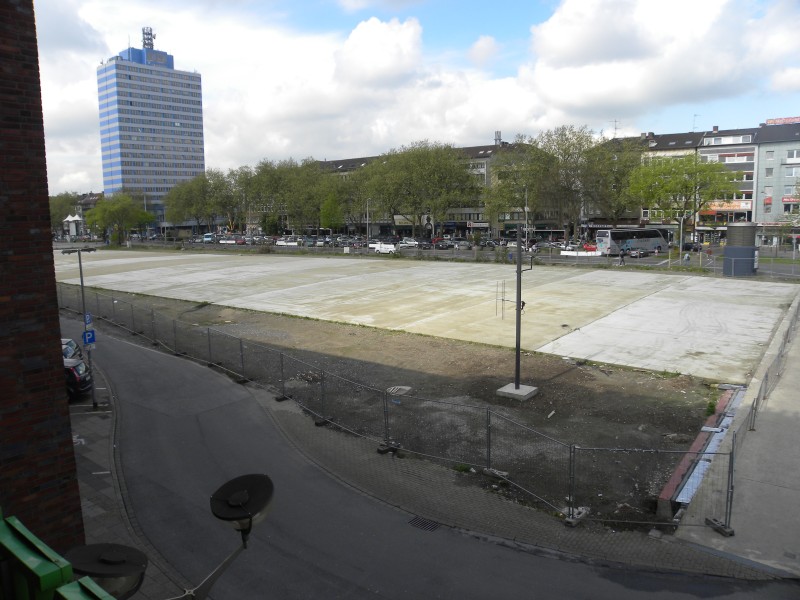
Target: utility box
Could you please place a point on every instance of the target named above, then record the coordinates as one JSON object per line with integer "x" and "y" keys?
{"x": 30, "y": 569}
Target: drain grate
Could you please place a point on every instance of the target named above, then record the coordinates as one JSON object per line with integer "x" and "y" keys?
{"x": 425, "y": 524}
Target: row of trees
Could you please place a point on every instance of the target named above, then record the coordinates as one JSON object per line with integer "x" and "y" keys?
{"x": 414, "y": 181}
{"x": 555, "y": 176}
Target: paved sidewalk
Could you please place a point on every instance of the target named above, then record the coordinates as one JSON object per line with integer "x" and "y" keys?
{"x": 767, "y": 481}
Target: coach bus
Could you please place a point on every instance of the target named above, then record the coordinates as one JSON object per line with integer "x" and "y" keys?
{"x": 611, "y": 241}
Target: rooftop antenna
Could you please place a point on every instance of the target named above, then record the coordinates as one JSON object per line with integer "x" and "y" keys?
{"x": 147, "y": 37}
{"x": 616, "y": 123}
{"x": 694, "y": 121}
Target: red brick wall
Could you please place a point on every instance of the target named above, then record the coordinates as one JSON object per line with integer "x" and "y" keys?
{"x": 38, "y": 480}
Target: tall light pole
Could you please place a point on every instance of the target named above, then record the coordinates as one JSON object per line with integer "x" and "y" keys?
{"x": 86, "y": 317}
{"x": 526, "y": 217}
{"x": 516, "y": 390}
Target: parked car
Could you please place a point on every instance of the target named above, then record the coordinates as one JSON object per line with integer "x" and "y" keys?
{"x": 424, "y": 244}
{"x": 638, "y": 253}
{"x": 462, "y": 243}
{"x": 444, "y": 244}
{"x": 407, "y": 242}
{"x": 384, "y": 248}
{"x": 209, "y": 238}
{"x": 77, "y": 376}
{"x": 590, "y": 247}
{"x": 70, "y": 348}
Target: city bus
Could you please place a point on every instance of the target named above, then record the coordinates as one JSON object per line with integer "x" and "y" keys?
{"x": 611, "y": 241}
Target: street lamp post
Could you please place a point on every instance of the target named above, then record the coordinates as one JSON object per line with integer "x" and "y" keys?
{"x": 516, "y": 390}
{"x": 88, "y": 349}
{"x": 527, "y": 245}
{"x": 119, "y": 570}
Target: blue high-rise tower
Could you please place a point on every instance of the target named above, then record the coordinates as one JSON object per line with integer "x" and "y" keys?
{"x": 151, "y": 124}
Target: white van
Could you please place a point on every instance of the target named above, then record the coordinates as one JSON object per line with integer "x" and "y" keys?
{"x": 209, "y": 238}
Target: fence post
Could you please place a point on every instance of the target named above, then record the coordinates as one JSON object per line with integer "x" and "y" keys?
{"x": 283, "y": 380}
{"x": 731, "y": 483}
{"x": 153, "y": 326}
{"x": 175, "y": 337}
{"x": 113, "y": 309}
{"x": 208, "y": 339}
{"x": 386, "y": 418}
{"x": 488, "y": 438}
{"x": 571, "y": 491}
{"x": 133, "y": 319}
{"x": 241, "y": 357}
{"x": 322, "y": 394}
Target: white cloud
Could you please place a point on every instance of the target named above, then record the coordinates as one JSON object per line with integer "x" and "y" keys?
{"x": 786, "y": 80}
{"x": 605, "y": 58}
{"x": 273, "y": 92}
{"x": 378, "y": 53}
{"x": 484, "y": 50}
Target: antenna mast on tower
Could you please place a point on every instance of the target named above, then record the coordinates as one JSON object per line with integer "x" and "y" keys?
{"x": 147, "y": 37}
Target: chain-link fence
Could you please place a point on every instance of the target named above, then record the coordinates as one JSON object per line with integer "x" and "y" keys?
{"x": 615, "y": 484}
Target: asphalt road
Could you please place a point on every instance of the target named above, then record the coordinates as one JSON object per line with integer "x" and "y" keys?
{"x": 184, "y": 429}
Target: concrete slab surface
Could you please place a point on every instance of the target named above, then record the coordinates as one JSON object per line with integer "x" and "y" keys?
{"x": 708, "y": 327}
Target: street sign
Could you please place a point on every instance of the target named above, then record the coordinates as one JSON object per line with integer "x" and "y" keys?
{"x": 88, "y": 337}
{"x": 87, "y": 319}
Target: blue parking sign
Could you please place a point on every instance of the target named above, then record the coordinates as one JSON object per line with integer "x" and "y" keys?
{"x": 88, "y": 337}
{"x": 87, "y": 318}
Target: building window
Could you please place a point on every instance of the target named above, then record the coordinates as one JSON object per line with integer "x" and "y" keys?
{"x": 768, "y": 190}
{"x": 768, "y": 172}
{"x": 793, "y": 154}
{"x": 770, "y": 154}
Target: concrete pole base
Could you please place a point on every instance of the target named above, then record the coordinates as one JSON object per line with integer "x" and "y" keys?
{"x": 523, "y": 392}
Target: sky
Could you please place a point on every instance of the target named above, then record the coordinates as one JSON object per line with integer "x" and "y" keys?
{"x": 335, "y": 79}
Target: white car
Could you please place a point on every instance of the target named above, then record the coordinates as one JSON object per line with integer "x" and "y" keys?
{"x": 407, "y": 242}
{"x": 384, "y": 248}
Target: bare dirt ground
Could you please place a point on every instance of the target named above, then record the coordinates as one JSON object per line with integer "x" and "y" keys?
{"x": 588, "y": 404}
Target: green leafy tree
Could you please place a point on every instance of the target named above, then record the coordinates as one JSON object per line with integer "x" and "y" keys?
{"x": 221, "y": 198}
{"x": 681, "y": 186}
{"x": 331, "y": 212}
{"x": 562, "y": 183}
{"x": 190, "y": 201}
{"x": 355, "y": 193}
{"x": 62, "y": 206}
{"x": 422, "y": 179}
{"x": 242, "y": 187}
{"x": 606, "y": 177}
{"x": 271, "y": 194}
{"x": 308, "y": 189}
{"x": 517, "y": 175}
{"x": 118, "y": 213}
